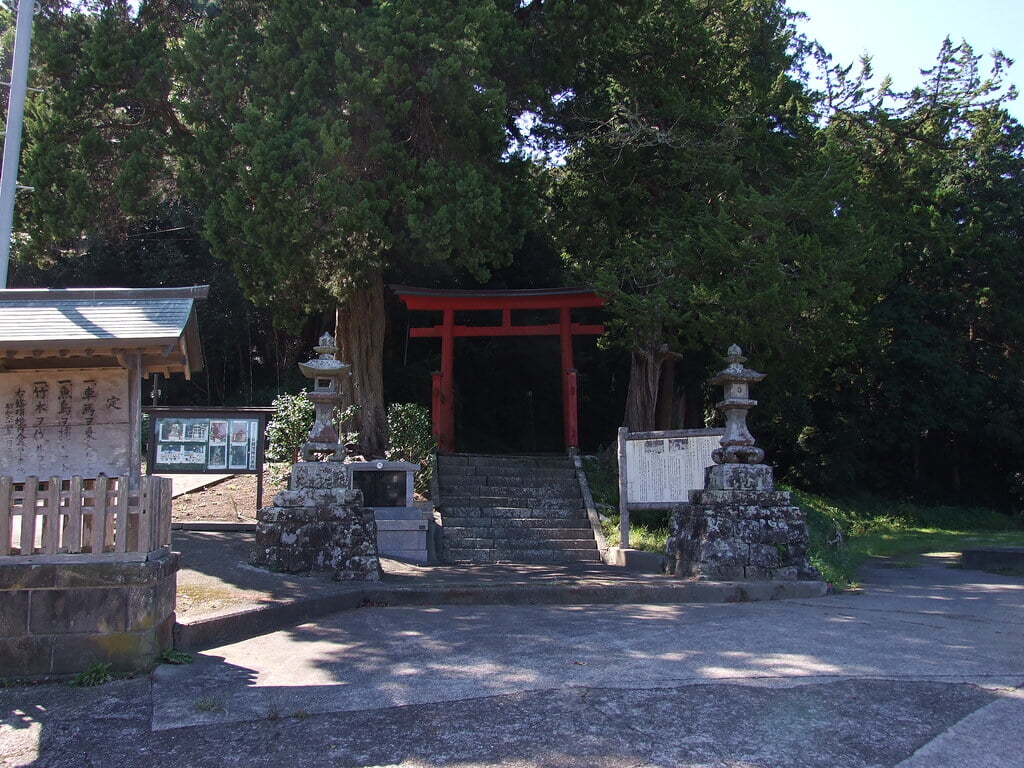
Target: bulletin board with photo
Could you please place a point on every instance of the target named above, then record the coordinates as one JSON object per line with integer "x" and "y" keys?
{"x": 200, "y": 441}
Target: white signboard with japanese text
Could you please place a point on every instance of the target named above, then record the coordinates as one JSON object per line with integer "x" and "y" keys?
{"x": 64, "y": 423}
{"x": 663, "y": 468}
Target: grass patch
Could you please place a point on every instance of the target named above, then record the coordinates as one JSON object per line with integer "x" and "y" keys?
{"x": 97, "y": 673}
{"x": 642, "y": 536}
{"x": 208, "y": 704}
{"x": 844, "y": 534}
{"x": 173, "y": 656}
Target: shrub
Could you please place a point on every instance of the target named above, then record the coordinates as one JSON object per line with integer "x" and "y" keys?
{"x": 411, "y": 438}
{"x": 289, "y": 428}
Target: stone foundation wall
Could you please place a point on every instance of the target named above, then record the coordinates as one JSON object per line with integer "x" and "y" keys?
{"x": 739, "y": 529}
{"x": 58, "y": 618}
{"x": 318, "y": 525}
{"x": 739, "y": 543}
{"x": 300, "y": 539}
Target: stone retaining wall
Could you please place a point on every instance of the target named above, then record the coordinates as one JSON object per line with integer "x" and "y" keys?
{"x": 57, "y": 618}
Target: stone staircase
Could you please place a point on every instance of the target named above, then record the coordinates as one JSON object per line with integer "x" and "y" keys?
{"x": 512, "y": 509}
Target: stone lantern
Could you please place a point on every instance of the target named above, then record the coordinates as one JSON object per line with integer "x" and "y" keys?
{"x": 319, "y": 523}
{"x": 325, "y": 371}
{"x": 739, "y": 528}
{"x": 737, "y": 442}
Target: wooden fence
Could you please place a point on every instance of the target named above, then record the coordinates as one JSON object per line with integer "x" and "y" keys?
{"x": 102, "y": 517}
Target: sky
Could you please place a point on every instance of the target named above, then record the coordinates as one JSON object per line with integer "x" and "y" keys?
{"x": 904, "y": 36}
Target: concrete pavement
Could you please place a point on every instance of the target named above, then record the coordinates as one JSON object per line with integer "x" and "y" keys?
{"x": 924, "y": 669}
{"x": 222, "y": 598}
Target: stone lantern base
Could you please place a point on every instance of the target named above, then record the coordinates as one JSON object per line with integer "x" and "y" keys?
{"x": 318, "y": 525}
{"x": 739, "y": 528}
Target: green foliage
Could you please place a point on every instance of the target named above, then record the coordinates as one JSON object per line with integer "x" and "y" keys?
{"x": 289, "y": 428}
{"x": 925, "y": 400}
{"x": 845, "y": 533}
{"x": 411, "y": 438}
{"x": 647, "y": 538}
{"x": 708, "y": 209}
{"x": 386, "y": 123}
{"x": 174, "y": 656}
{"x": 292, "y": 422}
{"x": 208, "y": 704}
{"x": 96, "y": 673}
{"x": 603, "y": 478}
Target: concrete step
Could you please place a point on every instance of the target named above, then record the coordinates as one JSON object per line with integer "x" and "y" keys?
{"x": 590, "y": 555}
{"x": 536, "y": 556}
{"x": 476, "y": 556}
{"x": 510, "y": 533}
{"x": 456, "y": 461}
{"x": 568, "y": 489}
{"x": 509, "y": 475}
{"x": 531, "y": 502}
{"x": 477, "y": 521}
{"x": 523, "y": 545}
{"x": 538, "y": 544}
{"x": 513, "y": 509}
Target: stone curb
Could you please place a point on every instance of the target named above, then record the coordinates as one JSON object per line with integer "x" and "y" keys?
{"x": 222, "y": 630}
{"x": 214, "y": 526}
{"x": 992, "y": 558}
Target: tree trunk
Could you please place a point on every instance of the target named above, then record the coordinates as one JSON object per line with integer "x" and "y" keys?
{"x": 642, "y": 394}
{"x": 360, "y": 337}
{"x": 666, "y": 412}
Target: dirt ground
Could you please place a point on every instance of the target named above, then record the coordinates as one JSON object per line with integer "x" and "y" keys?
{"x": 230, "y": 500}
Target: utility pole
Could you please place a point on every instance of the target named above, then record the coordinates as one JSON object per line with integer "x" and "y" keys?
{"x": 12, "y": 138}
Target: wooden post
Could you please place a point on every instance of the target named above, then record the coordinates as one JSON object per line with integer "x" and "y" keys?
{"x": 28, "y": 515}
{"x": 99, "y": 516}
{"x": 73, "y": 535}
{"x": 623, "y": 501}
{"x": 572, "y": 430}
{"x": 135, "y": 418}
{"x": 436, "y": 417}
{"x": 147, "y": 512}
{"x": 5, "y": 515}
{"x": 570, "y": 415}
{"x": 51, "y": 518}
{"x": 121, "y": 514}
{"x": 447, "y": 442}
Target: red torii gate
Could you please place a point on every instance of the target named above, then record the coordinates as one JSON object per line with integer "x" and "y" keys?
{"x": 448, "y": 302}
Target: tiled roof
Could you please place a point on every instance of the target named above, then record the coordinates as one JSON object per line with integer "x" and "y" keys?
{"x": 47, "y": 322}
{"x": 79, "y": 324}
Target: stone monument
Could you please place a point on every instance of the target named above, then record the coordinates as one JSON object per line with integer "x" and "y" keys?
{"x": 320, "y": 523}
{"x": 739, "y": 528}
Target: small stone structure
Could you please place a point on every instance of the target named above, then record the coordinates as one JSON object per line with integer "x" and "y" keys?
{"x": 403, "y": 529}
{"x": 739, "y": 527}
{"x": 320, "y": 524}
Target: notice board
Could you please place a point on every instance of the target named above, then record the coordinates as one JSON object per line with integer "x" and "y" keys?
{"x": 661, "y": 468}
{"x": 199, "y": 441}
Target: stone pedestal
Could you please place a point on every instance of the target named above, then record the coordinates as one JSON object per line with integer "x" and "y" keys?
{"x": 318, "y": 525}
{"x": 739, "y": 528}
{"x": 59, "y": 614}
